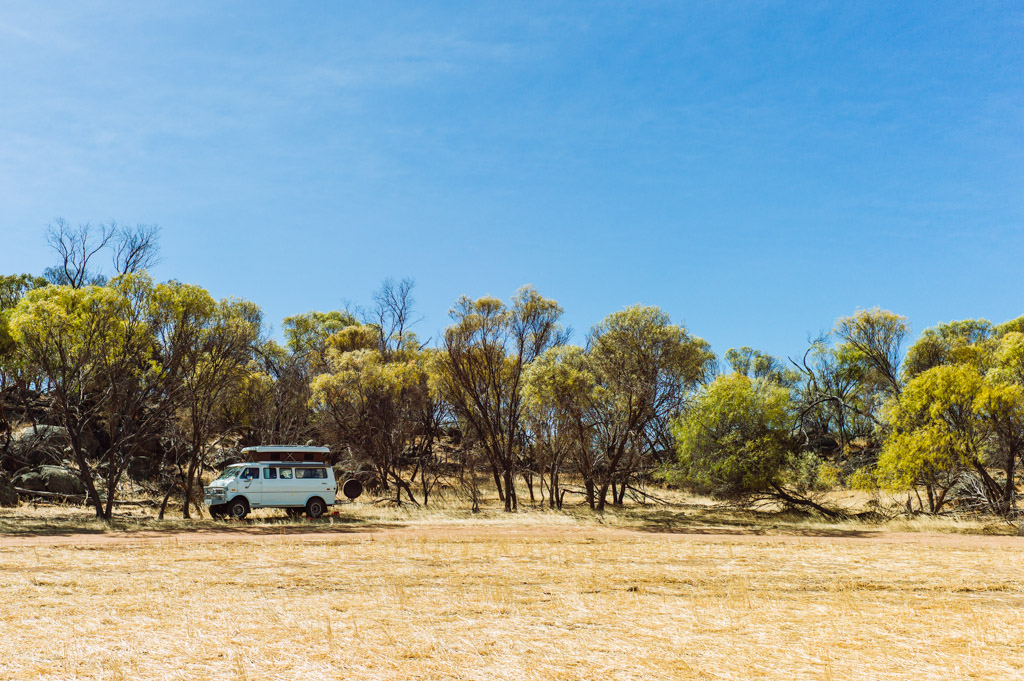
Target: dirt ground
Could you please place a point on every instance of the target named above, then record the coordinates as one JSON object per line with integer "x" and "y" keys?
{"x": 501, "y": 600}
{"x": 250, "y": 533}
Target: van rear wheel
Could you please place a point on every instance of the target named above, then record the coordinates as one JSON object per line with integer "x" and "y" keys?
{"x": 315, "y": 507}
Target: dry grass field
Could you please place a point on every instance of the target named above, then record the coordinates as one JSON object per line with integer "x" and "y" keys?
{"x": 397, "y": 594}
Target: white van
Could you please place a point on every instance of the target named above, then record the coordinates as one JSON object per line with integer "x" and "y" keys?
{"x": 280, "y": 476}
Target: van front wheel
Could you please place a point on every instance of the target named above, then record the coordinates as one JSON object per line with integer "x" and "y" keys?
{"x": 238, "y": 509}
{"x": 315, "y": 507}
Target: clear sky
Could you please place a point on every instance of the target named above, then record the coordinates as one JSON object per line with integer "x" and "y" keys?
{"x": 756, "y": 169}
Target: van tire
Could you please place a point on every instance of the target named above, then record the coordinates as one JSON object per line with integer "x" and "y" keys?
{"x": 315, "y": 507}
{"x": 238, "y": 509}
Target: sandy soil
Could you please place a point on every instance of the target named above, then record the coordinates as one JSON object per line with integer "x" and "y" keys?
{"x": 256, "y": 533}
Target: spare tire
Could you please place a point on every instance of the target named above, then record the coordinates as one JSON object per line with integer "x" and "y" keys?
{"x": 352, "y": 488}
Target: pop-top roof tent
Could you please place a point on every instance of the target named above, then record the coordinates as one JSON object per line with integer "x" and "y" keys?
{"x": 288, "y": 453}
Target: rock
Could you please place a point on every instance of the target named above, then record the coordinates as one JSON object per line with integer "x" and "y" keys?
{"x": 142, "y": 467}
{"x": 39, "y": 445}
{"x": 50, "y": 479}
{"x": 222, "y": 457}
{"x": 8, "y": 497}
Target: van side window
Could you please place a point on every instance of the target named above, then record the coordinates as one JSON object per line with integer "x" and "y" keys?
{"x": 310, "y": 473}
{"x": 286, "y": 473}
{"x": 270, "y": 474}
{"x": 251, "y": 474}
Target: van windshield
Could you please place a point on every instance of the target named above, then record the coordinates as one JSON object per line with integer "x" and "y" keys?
{"x": 229, "y": 472}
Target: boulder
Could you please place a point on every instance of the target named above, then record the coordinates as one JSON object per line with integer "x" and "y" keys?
{"x": 8, "y": 497}
{"x": 222, "y": 457}
{"x": 142, "y": 467}
{"x": 50, "y": 479}
{"x": 38, "y": 445}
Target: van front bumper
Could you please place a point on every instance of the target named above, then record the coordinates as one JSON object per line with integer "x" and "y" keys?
{"x": 212, "y": 497}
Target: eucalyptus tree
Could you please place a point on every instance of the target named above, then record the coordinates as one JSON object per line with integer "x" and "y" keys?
{"x": 557, "y": 387}
{"x": 960, "y": 417}
{"x": 217, "y": 351}
{"x": 374, "y": 398}
{"x": 481, "y": 368}
{"x": 617, "y": 396}
{"x": 752, "y": 363}
{"x": 371, "y": 401}
{"x": 16, "y": 377}
{"x": 646, "y": 368}
{"x": 113, "y": 367}
{"x": 936, "y": 438}
{"x": 846, "y": 377}
{"x": 968, "y": 341}
{"x": 875, "y": 339}
{"x": 736, "y": 442}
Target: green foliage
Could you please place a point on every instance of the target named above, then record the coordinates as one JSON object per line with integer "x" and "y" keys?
{"x": 309, "y": 332}
{"x": 12, "y": 289}
{"x": 753, "y": 363}
{"x": 863, "y": 479}
{"x": 638, "y": 351}
{"x": 935, "y": 433}
{"x": 480, "y": 371}
{"x": 617, "y": 395}
{"x": 562, "y": 378}
{"x": 734, "y": 441}
{"x": 873, "y": 339}
{"x": 963, "y": 342}
{"x": 122, "y": 359}
{"x": 14, "y": 286}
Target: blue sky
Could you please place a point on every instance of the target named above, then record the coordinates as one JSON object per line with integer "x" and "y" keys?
{"x": 756, "y": 169}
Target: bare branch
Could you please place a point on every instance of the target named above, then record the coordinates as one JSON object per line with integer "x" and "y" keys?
{"x": 75, "y": 247}
{"x": 137, "y": 248}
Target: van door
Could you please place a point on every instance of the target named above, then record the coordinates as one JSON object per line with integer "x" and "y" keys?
{"x": 250, "y": 486}
{"x": 271, "y": 486}
{"x": 288, "y": 487}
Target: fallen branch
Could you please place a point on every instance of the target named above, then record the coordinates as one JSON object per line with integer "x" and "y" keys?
{"x": 798, "y": 501}
{"x": 646, "y": 495}
{"x": 78, "y": 498}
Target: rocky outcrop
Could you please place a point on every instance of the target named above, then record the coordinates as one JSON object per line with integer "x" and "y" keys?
{"x": 55, "y": 479}
{"x": 8, "y": 496}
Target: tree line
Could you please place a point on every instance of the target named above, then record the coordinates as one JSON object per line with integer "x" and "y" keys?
{"x": 158, "y": 381}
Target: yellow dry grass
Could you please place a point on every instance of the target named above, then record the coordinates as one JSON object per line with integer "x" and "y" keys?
{"x": 538, "y": 596}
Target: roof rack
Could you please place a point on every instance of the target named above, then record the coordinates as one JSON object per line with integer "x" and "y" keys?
{"x": 288, "y": 453}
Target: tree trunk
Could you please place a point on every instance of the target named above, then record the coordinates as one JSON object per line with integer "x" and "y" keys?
{"x": 602, "y": 494}
{"x": 553, "y": 487}
{"x": 510, "y": 496}
{"x": 166, "y": 499}
{"x": 622, "y": 494}
{"x": 187, "y": 494}
{"x": 111, "y": 492}
{"x": 1009, "y": 488}
{"x": 497, "y": 484}
{"x": 993, "y": 492}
